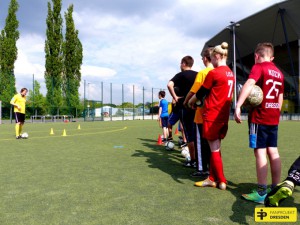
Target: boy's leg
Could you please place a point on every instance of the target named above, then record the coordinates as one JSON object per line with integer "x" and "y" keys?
{"x": 17, "y": 129}
{"x": 21, "y": 128}
{"x": 260, "y": 193}
{"x": 285, "y": 189}
{"x": 294, "y": 172}
{"x": 261, "y": 165}
{"x": 275, "y": 165}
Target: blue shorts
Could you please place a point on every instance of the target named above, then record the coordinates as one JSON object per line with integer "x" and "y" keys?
{"x": 164, "y": 121}
{"x": 266, "y": 135}
{"x": 173, "y": 118}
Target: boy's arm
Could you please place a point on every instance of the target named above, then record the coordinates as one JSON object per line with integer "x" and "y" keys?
{"x": 13, "y": 102}
{"x": 280, "y": 101}
{"x": 246, "y": 89}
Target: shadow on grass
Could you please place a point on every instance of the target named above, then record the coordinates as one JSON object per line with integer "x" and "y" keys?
{"x": 242, "y": 208}
{"x": 169, "y": 162}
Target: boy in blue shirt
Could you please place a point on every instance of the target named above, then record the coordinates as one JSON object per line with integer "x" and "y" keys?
{"x": 163, "y": 114}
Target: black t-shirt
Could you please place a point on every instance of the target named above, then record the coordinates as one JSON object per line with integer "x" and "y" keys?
{"x": 183, "y": 83}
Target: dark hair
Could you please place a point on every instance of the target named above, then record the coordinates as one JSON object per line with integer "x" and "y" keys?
{"x": 188, "y": 61}
{"x": 162, "y": 94}
{"x": 207, "y": 52}
{"x": 23, "y": 89}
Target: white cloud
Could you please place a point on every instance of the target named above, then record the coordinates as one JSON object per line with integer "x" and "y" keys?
{"x": 130, "y": 42}
{"x": 94, "y": 72}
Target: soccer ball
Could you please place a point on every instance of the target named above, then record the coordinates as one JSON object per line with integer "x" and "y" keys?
{"x": 169, "y": 145}
{"x": 255, "y": 97}
{"x": 24, "y": 135}
{"x": 185, "y": 152}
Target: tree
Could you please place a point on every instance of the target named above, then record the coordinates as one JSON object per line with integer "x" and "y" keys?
{"x": 128, "y": 105}
{"x": 72, "y": 62}
{"x": 54, "y": 56}
{"x": 36, "y": 100}
{"x": 8, "y": 54}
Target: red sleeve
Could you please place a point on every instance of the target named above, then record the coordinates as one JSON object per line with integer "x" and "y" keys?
{"x": 208, "y": 82}
{"x": 256, "y": 72}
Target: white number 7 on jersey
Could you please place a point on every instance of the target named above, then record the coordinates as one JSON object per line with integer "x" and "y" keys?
{"x": 230, "y": 84}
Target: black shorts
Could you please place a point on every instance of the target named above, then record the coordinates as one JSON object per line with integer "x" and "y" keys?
{"x": 20, "y": 117}
{"x": 186, "y": 117}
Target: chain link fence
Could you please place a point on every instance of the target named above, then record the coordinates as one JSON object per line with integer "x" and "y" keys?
{"x": 100, "y": 102}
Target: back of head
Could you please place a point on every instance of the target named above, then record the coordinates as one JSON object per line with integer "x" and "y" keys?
{"x": 221, "y": 49}
{"x": 188, "y": 61}
{"x": 265, "y": 49}
{"x": 207, "y": 52}
{"x": 162, "y": 94}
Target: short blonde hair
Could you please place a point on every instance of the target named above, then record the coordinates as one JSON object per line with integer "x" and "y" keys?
{"x": 221, "y": 49}
{"x": 265, "y": 49}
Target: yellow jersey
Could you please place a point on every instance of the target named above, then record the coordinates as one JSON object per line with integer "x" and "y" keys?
{"x": 198, "y": 119}
{"x": 19, "y": 100}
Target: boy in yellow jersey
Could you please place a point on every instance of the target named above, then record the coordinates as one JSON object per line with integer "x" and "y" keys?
{"x": 201, "y": 145}
{"x": 19, "y": 101}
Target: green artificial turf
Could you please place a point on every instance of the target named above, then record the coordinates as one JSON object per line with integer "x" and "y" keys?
{"x": 115, "y": 173}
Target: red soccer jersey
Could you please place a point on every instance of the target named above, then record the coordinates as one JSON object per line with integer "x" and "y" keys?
{"x": 220, "y": 82}
{"x": 270, "y": 79}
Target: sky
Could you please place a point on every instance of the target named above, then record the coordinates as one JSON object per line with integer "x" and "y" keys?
{"x": 137, "y": 43}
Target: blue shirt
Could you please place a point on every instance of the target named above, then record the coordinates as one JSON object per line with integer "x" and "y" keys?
{"x": 164, "y": 107}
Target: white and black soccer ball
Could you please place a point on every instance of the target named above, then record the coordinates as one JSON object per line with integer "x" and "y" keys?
{"x": 255, "y": 97}
{"x": 25, "y": 135}
{"x": 185, "y": 152}
{"x": 169, "y": 145}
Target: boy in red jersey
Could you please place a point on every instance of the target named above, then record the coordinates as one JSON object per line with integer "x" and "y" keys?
{"x": 264, "y": 119}
{"x": 218, "y": 89}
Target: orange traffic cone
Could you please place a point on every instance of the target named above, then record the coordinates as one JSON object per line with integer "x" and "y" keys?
{"x": 159, "y": 140}
{"x": 176, "y": 131}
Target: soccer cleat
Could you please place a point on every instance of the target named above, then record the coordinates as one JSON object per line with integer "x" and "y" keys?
{"x": 206, "y": 183}
{"x": 19, "y": 137}
{"x": 279, "y": 193}
{"x": 200, "y": 173}
{"x": 222, "y": 186}
{"x": 255, "y": 197}
{"x": 169, "y": 139}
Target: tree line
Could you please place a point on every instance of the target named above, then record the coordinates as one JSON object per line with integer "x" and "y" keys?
{"x": 63, "y": 60}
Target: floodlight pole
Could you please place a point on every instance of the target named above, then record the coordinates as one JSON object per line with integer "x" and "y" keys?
{"x": 232, "y": 27}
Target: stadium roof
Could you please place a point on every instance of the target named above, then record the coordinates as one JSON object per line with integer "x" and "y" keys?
{"x": 264, "y": 26}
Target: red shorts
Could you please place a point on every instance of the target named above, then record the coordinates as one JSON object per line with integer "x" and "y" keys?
{"x": 213, "y": 131}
